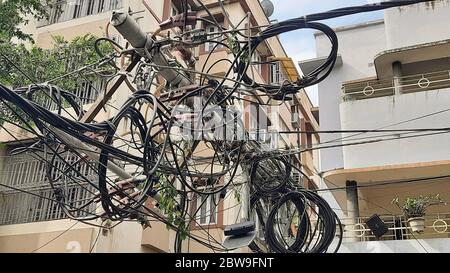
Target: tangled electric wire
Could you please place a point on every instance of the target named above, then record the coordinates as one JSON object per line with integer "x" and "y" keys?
{"x": 149, "y": 152}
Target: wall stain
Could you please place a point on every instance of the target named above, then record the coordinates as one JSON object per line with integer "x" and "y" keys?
{"x": 429, "y": 5}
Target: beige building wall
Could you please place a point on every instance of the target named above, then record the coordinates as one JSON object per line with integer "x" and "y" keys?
{"x": 70, "y": 236}
{"x": 46, "y": 237}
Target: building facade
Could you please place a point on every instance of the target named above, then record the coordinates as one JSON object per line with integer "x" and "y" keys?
{"x": 391, "y": 74}
{"x": 31, "y": 223}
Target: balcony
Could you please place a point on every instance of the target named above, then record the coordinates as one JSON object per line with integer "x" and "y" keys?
{"x": 358, "y": 238}
{"x": 361, "y": 90}
{"x": 28, "y": 196}
{"x": 73, "y": 9}
{"x": 436, "y": 226}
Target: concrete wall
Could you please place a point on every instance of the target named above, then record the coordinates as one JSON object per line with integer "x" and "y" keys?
{"x": 69, "y": 236}
{"x": 124, "y": 238}
{"x": 429, "y": 66}
{"x": 69, "y": 29}
{"x": 156, "y": 6}
{"x": 386, "y": 111}
{"x": 127, "y": 237}
{"x": 428, "y": 22}
{"x": 407, "y": 246}
{"x": 56, "y": 236}
{"x": 417, "y": 24}
{"x": 379, "y": 200}
{"x": 358, "y": 46}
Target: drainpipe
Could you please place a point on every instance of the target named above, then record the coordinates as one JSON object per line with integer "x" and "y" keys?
{"x": 352, "y": 208}
{"x": 398, "y": 73}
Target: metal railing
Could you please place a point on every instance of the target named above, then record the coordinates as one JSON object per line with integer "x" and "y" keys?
{"x": 401, "y": 85}
{"x": 29, "y": 197}
{"x": 436, "y": 226}
{"x": 27, "y": 171}
{"x": 86, "y": 91}
{"x": 72, "y": 9}
{"x": 20, "y": 207}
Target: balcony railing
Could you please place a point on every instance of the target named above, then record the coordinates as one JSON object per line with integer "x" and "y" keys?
{"x": 436, "y": 226}
{"x": 19, "y": 207}
{"x": 72, "y": 9}
{"x": 86, "y": 91}
{"x": 28, "y": 171}
{"x": 29, "y": 198}
{"x": 401, "y": 85}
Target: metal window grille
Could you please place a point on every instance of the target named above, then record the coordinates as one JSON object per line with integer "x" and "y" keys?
{"x": 27, "y": 173}
{"x": 72, "y": 9}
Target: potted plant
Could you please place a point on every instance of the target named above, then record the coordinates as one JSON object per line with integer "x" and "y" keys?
{"x": 414, "y": 209}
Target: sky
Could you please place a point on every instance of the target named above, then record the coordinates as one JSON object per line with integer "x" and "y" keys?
{"x": 300, "y": 45}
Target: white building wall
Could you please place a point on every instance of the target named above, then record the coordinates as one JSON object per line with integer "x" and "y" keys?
{"x": 417, "y": 24}
{"x": 358, "y": 47}
{"x": 383, "y": 112}
{"x": 404, "y": 26}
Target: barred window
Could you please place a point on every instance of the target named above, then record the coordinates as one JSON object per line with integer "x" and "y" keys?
{"x": 28, "y": 196}
{"x": 66, "y": 10}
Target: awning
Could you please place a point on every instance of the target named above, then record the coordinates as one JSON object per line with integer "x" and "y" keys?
{"x": 288, "y": 66}
{"x": 410, "y": 54}
{"x": 308, "y": 66}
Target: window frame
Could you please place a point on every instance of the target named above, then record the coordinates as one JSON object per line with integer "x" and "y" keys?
{"x": 197, "y": 224}
{"x": 276, "y": 73}
{"x": 206, "y": 48}
{"x": 208, "y": 205}
{"x": 211, "y": 46}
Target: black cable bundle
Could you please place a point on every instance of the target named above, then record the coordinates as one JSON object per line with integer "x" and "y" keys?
{"x": 309, "y": 238}
{"x": 310, "y": 22}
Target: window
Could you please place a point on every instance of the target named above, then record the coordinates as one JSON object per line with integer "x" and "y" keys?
{"x": 309, "y": 141}
{"x": 211, "y": 45}
{"x": 254, "y": 117}
{"x": 19, "y": 207}
{"x": 207, "y": 206}
{"x": 294, "y": 109}
{"x": 276, "y": 73}
{"x": 73, "y": 9}
{"x": 298, "y": 179}
{"x": 258, "y": 122}
{"x": 86, "y": 90}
